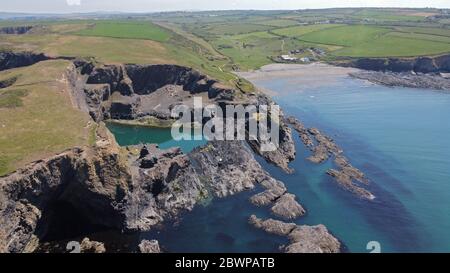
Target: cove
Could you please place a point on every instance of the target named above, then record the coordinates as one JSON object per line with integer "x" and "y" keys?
{"x": 397, "y": 136}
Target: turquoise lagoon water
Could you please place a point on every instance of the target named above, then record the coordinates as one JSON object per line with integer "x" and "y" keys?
{"x": 132, "y": 135}
{"x": 399, "y": 137}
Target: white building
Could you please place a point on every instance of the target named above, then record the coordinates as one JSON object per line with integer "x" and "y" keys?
{"x": 288, "y": 58}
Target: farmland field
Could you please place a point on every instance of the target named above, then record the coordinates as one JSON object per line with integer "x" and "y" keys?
{"x": 390, "y": 45}
{"x": 278, "y": 22}
{"x": 345, "y": 35}
{"x": 128, "y": 30}
{"x": 302, "y": 30}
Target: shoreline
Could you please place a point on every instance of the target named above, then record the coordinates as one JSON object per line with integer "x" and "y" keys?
{"x": 311, "y": 75}
{"x": 304, "y": 75}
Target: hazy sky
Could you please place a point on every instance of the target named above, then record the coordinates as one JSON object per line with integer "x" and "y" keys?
{"x": 57, "y": 6}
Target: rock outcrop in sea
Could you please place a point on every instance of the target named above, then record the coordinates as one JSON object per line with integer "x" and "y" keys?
{"x": 148, "y": 247}
{"x": 303, "y": 239}
{"x": 88, "y": 246}
{"x": 323, "y": 147}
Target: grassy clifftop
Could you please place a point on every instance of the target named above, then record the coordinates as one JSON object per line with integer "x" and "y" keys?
{"x": 37, "y": 118}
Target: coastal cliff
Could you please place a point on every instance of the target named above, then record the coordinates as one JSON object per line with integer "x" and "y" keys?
{"x": 438, "y": 64}
{"x": 148, "y": 93}
{"x": 421, "y": 72}
{"x": 134, "y": 189}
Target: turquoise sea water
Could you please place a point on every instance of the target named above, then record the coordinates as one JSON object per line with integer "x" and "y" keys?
{"x": 399, "y": 137}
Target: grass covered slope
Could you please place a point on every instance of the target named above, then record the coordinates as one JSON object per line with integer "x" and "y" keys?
{"x": 37, "y": 118}
{"x": 126, "y": 30}
{"x": 112, "y": 42}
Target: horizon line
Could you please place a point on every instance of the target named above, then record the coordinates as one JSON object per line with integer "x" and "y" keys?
{"x": 206, "y": 10}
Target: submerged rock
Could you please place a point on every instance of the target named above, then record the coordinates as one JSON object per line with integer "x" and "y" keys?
{"x": 346, "y": 181}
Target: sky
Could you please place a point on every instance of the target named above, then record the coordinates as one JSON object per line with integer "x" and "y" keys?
{"x": 73, "y": 6}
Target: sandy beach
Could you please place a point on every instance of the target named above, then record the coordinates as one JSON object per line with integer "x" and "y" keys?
{"x": 304, "y": 75}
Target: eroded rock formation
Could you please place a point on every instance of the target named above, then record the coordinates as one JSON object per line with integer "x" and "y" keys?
{"x": 130, "y": 92}
{"x": 147, "y": 246}
{"x": 94, "y": 182}
{"x": 9, "y": 60}
{"x": 130, "y": 189}
{"x": 303, "y": 239}
{"x": 135, "y": 92}
{"x": 323, "y": 147}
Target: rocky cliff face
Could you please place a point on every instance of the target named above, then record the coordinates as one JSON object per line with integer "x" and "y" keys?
{"x": 137, "y": 86}
{"x": 9, "y": 60}
{"x": 15, "y": 30}
{"x": 94, "y": 181}
{"x": 418, "y": 65}
{"x": 131, "y": 92}
{"x": 131, "y": 190}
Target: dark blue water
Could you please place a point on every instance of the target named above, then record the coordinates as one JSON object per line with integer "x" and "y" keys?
{"x": 397, "y": 136}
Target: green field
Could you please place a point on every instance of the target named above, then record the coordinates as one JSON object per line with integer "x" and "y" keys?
{"x": 385, "y": 15}
{"x": 345, "y": 35}
{"x": 394, "y": 46}
{"x": 278, "y": 22}
{"x": 128, "y": 30}
{"x": 235, "y": 28}
{"x": 425, "y": 30}
{"x": 302, "y": 30}
{"x": 420, "y": 36}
